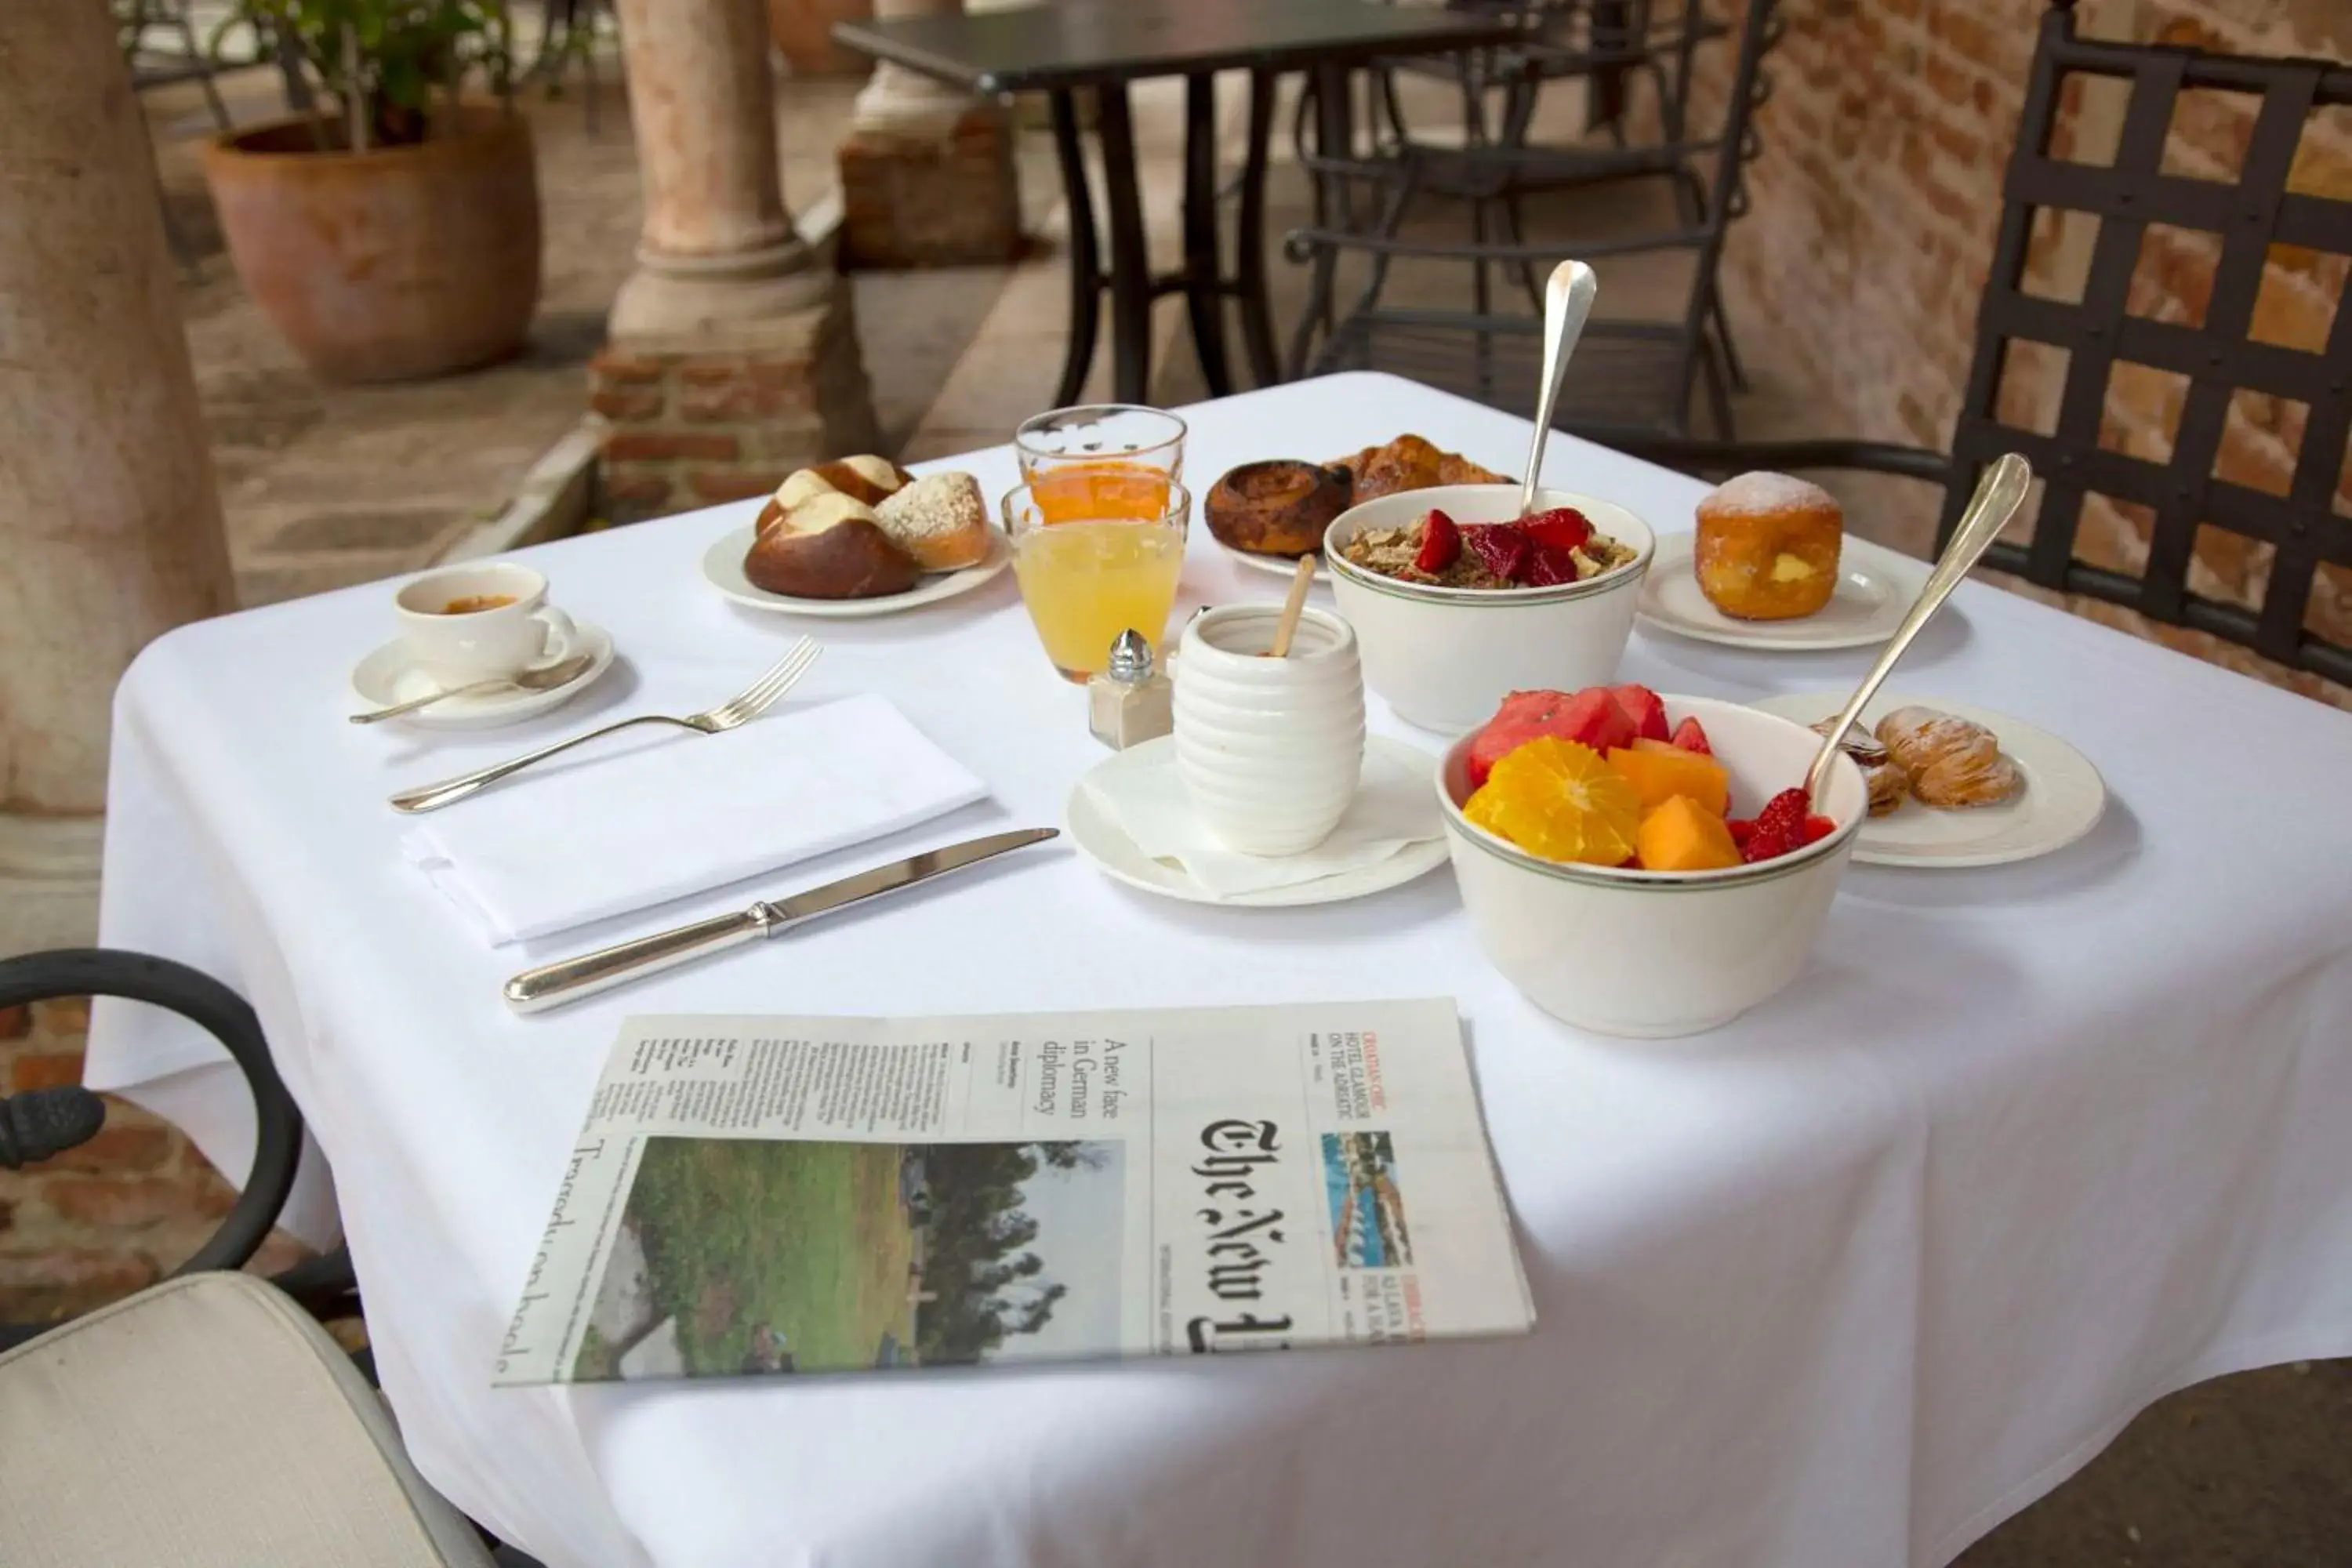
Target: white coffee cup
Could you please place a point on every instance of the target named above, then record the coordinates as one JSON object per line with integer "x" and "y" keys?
{"x": 478, "y": 623}
{"x": 1270, "y": 750}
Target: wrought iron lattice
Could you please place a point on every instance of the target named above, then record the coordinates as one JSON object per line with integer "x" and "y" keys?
{"x": 2217, "y": 357}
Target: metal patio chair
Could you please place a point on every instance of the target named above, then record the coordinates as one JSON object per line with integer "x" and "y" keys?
{"x": 1628, "y": 376}
{"x": 2216, "y": 357}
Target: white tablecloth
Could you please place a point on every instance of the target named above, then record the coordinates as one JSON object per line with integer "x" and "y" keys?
{"x": 1845, "y": 1283}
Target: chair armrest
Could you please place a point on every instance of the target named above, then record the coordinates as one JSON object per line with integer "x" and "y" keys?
{"x": 42, "y": 1122}
{"x": 1703, "y": 457}
{"x": 223, "y": 1013}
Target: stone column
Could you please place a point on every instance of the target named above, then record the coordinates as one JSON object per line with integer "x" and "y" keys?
{"x": 927, "y": 172}
{"x": 110, "y": 526}
{"x": 732, "y": 353}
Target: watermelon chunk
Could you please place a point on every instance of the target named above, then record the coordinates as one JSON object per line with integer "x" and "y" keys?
{"x": 1644, "y": 708}
{"x": 1591, "y": 718}
{"x": 1691, "y": 738}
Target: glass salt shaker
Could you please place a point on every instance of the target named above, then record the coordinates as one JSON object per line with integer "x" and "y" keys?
{"x": 1129, "y": 701}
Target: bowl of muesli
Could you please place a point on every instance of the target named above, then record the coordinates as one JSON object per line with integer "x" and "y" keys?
{"x": 1457, "y": 600}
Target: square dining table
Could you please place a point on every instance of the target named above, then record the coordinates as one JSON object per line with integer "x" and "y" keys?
{"x": 1102, "y": 47}
{"x": 1844, "y": 1282}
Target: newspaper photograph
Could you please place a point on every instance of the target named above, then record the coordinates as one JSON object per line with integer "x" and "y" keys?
{"x": 756, "y": 1195}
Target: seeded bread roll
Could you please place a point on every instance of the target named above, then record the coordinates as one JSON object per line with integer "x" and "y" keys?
{"x": 940, "y": 520}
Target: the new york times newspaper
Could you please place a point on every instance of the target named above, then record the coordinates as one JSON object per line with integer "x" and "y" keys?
{"x": 767, "y": 1196}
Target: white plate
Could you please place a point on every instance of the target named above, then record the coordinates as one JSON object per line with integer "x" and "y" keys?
{"x": 722, "y": 568}
{"x": 2063, "y": 798}
{"x": 385, "y": 677}
{"x": 1101, "y": 840}
{"x": 1875, "y": 587}
{"x": 1280, "y": 567}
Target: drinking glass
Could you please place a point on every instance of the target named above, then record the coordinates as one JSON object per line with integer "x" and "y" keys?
{"x": 1104, "y": 460}
{"x": 1087, "y": 576}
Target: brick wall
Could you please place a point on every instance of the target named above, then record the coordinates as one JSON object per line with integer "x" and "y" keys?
{"x": 1857, "y": 274}
{"x": 690, "y": 427}
{"x": 118, "y": 1213}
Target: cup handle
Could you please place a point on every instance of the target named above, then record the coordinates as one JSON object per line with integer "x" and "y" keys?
{"x": 562, "y": 637}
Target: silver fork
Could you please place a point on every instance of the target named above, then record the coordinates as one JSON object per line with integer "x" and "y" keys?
{"x": 740, "y": 709}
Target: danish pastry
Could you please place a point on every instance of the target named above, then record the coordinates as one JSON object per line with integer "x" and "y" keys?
{"x": 1767, "y": 547}
{"x": 1951, "y": 762}
{"x": 1276, "y": 507}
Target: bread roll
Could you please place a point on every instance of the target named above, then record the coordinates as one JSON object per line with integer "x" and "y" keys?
{"x": 1767, "y": 547}
{"x": 830, "y": 546}
{"x": 940, "y": 520}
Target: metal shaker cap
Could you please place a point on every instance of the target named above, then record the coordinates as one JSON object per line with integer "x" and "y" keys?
{"x": 1130, "y": 659}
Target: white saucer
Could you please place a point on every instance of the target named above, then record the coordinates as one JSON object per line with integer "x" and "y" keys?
{"x": 1875, "y": 587}
{"x": 1100, "y": 839}
{"x": 722, "y": 568}
{"x": 385, "y": 677}
{"x": 1281, "y": 566}
{"x": 2063, "y": 798}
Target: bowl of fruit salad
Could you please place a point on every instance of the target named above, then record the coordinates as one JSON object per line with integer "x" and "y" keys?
{"x": 1456, "y": 599}
{"x": 1644, "y": 865}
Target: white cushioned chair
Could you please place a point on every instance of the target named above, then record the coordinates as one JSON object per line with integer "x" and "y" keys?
{"x": 206, "y": 1422}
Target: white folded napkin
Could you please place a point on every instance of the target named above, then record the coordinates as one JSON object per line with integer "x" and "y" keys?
{"x": 545, "y": 852}
{"x": 1142, "y": 791}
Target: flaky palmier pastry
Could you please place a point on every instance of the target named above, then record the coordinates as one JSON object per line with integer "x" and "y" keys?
{"x": 1951, "y": 762}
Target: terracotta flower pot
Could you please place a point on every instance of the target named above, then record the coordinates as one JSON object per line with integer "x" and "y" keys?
{"x": 802, "y": 31}
{"x": 388, "y": 264}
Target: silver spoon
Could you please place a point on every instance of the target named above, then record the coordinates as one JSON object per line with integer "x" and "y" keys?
{"x": 1568, "y": 302}
{"x": 1998, "y": 495}
{"x": 564, "y": 672}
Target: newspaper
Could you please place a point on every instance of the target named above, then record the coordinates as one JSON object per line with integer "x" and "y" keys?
{"x": 775, "y": 1195}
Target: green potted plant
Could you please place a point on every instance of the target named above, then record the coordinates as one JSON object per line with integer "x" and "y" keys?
{"x": 394, "y": 233}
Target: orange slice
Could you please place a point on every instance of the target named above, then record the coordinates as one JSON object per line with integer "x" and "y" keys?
{"x": 1559, "y": 800}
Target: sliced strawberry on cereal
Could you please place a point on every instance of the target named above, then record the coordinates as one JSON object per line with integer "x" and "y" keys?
{"x": 1691, "y": 738}
{"x": 1644, "y": 708}
{"x": 1500, "y": 547}
{"x": 1441, "y": 543}
{"x": 1562, "y": 528}
{"x": 1550, "y": 565}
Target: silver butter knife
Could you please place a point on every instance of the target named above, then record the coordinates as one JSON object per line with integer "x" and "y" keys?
{"x": 569, "y": 979}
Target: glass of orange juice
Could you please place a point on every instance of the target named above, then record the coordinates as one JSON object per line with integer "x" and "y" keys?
{"x": 1089, "y": 574}
{"x": 1104, "y": 460}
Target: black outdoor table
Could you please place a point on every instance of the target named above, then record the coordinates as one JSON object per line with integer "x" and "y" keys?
{"x": 1105, "y": 45}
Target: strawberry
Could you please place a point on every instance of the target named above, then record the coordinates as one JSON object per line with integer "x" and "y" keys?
{"x": 1691, "y": 738}
{"x": 1549, "y": 565}
{"x": 1780, "y": 827}
{"x": 1645, "y": 710}
{"x": 1741, "y": 830}
{"x": 1562, "y": 528}
{"x": 1818, "y": 828}
{"x": 1441, "y": 543}
{"x": 1500, "y": 547}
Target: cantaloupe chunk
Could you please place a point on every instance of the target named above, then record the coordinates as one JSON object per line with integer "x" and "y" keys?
{"x": 1684, "y": 836}
{"x": 1660, "y": 770}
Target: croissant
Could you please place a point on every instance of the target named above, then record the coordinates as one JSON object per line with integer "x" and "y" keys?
{"x": 1951, "y": 762}
{"x": 1410, "y": 463}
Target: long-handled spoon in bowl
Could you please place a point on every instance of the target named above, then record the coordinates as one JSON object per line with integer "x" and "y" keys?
{"x": 1999, "y": 494}
{"x": 1568, "y": 304}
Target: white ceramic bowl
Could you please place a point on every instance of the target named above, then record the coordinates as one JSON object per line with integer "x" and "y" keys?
{"x": 1444, "y": 657}
{"x": 1651, "y": 953}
